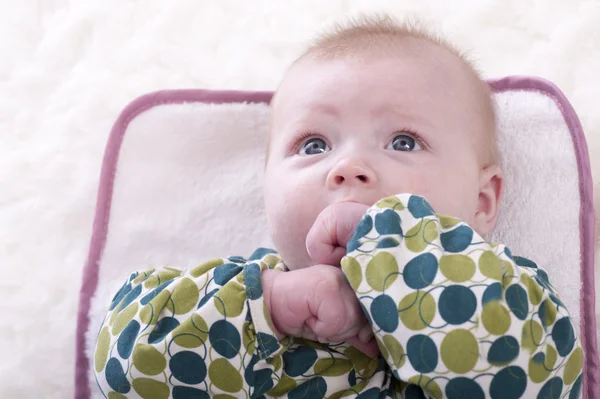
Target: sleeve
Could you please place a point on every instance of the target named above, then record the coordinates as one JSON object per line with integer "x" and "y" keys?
{"x": 456, "y": 315}
{"x": 196, "y": 333}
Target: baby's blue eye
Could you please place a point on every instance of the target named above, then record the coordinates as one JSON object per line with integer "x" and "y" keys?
{"x": 404, "y": 142}
{"x": 314, "y": 146}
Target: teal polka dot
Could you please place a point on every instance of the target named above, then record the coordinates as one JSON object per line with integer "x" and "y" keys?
{"x": 252, "y": 280}
{"x": 364, "y": 227}
{"x": 299, "y": 360}
{"x": 225, "y": 338}
{"x": 182, "y": 392}
{"x": 268, "y": 344}
{"x": 115, "y": 376}
{"x": 372, "y": 393}
{"x": 223, "y": 273}
{"x": 510, "y": 382}
{"x": 503, "y": 351}
{"x": 127, "y": 339}
{"x": 188, "y": 367}
{"x": 162, "y": 328}
{"x": 563, "y": 336}
{"x": 419, "y": 207}
{"x": 457, "y": 240}
{"x": 516, "y": 298}
{"x": 420, "y": 271}
{"x": 413, "y": 391}
{"x": 464, "y": 388}
{"x": 457, "y": 304}
{"x": 422, "y": 353}
{"x": 207, "y": 297}
{"x": 576, "y": 388}
{"x": 388, "y": 222}
{"x": 492, "y": 293}
{"x": 552, "y": 389}
{"x": 150, "y": 296}
{"x": 385, "y": 313}
{"x": 520, "y": 261}
{"x": 124, "y": 290}
{"x": 314, "y": 388}
{"x": 388, "y": 243}
{"x": 261, "y": 382}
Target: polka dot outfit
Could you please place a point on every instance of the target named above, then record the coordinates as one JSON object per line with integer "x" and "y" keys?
{"x": 454, "y": 317}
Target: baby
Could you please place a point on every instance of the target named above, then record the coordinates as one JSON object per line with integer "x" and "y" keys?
{"x": 371, "y": 292}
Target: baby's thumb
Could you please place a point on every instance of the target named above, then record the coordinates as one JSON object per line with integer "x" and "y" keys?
{"x": 326, "y": 240}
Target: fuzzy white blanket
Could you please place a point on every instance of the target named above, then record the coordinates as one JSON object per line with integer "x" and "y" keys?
{"x": 69, "y": 68}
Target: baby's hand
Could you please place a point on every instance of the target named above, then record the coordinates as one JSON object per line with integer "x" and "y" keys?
{"x": 317, "y": 303}
{"x": 326, "y": 241}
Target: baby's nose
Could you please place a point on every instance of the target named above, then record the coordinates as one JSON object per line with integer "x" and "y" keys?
{"x": 350, "y": 172}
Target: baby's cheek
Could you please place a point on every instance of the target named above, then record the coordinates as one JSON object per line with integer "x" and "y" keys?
{"x": 290, "y": 217}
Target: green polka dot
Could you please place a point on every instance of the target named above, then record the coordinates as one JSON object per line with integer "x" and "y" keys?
{"x": 534, "y": 292}
{"x": 531, "y": 335}
{"x": 142, "y": 276}
{"x": 148, "y": 360}
{"x": 547, "y": 312}
{"x": 158, "y": 278}
{"x": 276, "y": 362}
{"x": 428, "y": 385}
{"x": 573, "y": 367}
{"x": 352, "y": 270}
{"x": 508, "y": 273}
{"x": 271, "y": 261}
{"x": 204, "y": 267}
{"x": 448, "y": 221}
{"x": 101, "y": 354}
{"x": 223, "y": 396}
{"x": 382, "y": 269}
{"x": 116, "y": 395}
{"x": 224, "y": 376}
{"x": 230, "y": 300}
{"x": 540, "y": 365}
{"x": 184, "y": 297}
{"x": 150, "y": 389}
{"x": 459, "y": 351}
{"x": 417, "y": 310}
{"x": 359, "y": 359}
{"x": 124, "y": 318}
{"x": 495, "y": 318}
{"x": 390, "y": 202}
{"x": 490, "y": 266}
{"x": 284, "y": 385}
{"x": 395, "y": 350}
{"x": 332, "y": 367}
{"x": 149, "y": 313}
{"x": 457, "y": 268}
{"x": 418, "y": 237}
{"x": 192, "y": 333}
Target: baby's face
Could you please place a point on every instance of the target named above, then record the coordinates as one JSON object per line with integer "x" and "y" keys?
{"x": 358, "y": 130}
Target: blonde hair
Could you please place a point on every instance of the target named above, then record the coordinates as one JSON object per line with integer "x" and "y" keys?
{"x": 367, "y": 34}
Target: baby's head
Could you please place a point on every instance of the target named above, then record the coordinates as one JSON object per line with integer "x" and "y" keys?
{"x": 372, "y": 109}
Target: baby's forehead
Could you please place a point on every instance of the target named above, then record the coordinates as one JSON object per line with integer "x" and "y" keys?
{"x": 422, "y": 66}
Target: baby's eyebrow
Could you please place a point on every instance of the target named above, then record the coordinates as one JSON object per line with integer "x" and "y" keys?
{"x": 324, "y": 108}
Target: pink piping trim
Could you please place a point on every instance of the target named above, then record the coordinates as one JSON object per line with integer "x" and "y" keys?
{"x": 148, "y": 101}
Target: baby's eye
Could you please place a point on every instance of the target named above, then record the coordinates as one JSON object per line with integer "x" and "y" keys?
{"x": 404, "y": 142}
{"x": 314, "y": 146}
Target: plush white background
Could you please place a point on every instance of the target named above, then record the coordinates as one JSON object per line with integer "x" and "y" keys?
{"x": 68, "y": 68}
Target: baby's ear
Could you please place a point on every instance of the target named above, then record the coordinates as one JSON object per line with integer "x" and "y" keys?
{"x": 491, "y": 186}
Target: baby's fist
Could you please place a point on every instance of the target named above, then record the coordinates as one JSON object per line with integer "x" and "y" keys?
{"x": 317, "y": 303}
